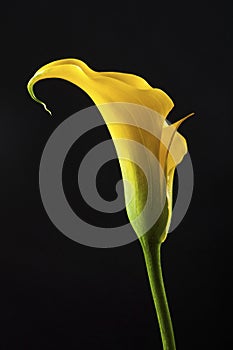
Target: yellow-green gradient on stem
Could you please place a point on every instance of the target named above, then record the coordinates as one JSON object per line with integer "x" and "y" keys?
{"x": 135, "y": 114}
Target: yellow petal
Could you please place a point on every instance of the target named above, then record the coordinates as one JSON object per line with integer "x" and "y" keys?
{"x": 175, "y": 143}
{"x": 135, "y": 115}
{"x": 176, "y": 148}
{"x": 105, "y": 87}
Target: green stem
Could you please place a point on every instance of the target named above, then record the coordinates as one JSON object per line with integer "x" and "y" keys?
{"x": 153, "y": 264}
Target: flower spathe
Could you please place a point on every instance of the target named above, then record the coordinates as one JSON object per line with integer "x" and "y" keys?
{"x": 135, "y": 114}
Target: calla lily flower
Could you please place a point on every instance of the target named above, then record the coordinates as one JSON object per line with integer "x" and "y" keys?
{"x": 135, "y": 114}
{"x": 130, "y": 121}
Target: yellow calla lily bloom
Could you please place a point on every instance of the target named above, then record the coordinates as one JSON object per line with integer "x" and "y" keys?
{"x": 135, "y": 114}
{"x": 165, "y": 143}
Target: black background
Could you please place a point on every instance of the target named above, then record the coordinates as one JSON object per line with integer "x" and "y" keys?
{"x": 58, "y": 294}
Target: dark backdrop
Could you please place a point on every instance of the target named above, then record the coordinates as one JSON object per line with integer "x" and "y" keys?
{"x": 58, "y": 294}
